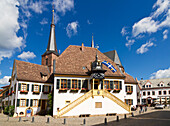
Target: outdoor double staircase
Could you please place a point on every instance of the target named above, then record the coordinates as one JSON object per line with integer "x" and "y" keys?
{"x": 92, "y": 93}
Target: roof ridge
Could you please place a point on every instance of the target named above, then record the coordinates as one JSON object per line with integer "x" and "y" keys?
{"x": 30, "y": 63}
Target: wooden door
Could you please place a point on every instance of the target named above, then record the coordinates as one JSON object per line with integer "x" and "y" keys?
{"x": 43, "y": 105}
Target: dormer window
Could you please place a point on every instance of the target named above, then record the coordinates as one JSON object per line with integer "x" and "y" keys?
{"x": 46, "y": 61}
{"x": 161, "y": 84}
{"x": 43, "y": 76}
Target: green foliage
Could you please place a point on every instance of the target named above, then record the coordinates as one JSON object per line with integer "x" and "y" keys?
{"x": 50, "y": 103}
{"x": 9, "y": 110}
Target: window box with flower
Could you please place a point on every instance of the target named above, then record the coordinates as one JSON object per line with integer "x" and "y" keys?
{"x": 129, "y": 92}
{"x": 23, "y": 92}
{"x": 13, "y": 92}
{"x": 63, "y": 89}
{"x": 74, "y": 89}
{"x": 116, "y": 90}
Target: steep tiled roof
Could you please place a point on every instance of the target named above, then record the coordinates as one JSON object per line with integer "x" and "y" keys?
{"x": 155, "y": 82}
{"x": 129, "y": 79}
{"x": 31, "y": 72}
{"x": 74, "y": 59}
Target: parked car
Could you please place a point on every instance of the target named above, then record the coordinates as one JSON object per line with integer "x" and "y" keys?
{"x": 159, "y": 106}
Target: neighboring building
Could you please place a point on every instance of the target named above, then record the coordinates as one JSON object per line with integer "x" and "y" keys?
{"x": 155, "y": 91}
{"x": 81, "y": 84}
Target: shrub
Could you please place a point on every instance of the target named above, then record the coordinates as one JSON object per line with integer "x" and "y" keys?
{"x": 9, "y": 110}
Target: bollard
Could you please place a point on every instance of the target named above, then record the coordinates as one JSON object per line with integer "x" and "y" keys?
{"x": 48, "y": 120}
{"x": 139, "y": 111}
{"x": 117, "y": 118}
{"x": 8, "y": 118}
{"x": 84, "y": 121}
{"x": 64, "y": 121}
{"x": 125, "y": 116}
{"x": 105, "y": 121}
{"x": 19, "y": 119}
{"x": 32, "y": 119}
{"x": 132, "y": 114}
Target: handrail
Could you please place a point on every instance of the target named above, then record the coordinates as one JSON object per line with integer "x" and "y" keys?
{"x": 117, "y": 100}
{"x": 75, "y": 103}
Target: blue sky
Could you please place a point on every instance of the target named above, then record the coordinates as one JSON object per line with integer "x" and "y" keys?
{"x": 138, "y": 30}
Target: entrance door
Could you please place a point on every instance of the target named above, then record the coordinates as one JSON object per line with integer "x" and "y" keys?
{"x": 96, "y": 84}
{"x": 43, "y": 105}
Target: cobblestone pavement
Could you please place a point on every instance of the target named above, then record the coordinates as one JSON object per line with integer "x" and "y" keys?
{"x": 149, "y": 117}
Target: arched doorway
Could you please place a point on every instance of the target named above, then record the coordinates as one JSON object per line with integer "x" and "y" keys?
{"x": 29, "y": 112}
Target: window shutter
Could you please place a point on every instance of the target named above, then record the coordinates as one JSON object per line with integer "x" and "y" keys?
{"x": 39, "y": 102}
{"x": 39, "y": 88}
{"x": 18, "y": 102}
{"x": 49, "y": 89}
{"x": 19, "y": 86}
{"x": 126, "y": 88}
{"x": 120, "y": 85}
{"x": 27, "y": 87}
{"x": 58, "y": 84}
{"x": 68, "y": 83}
{"x": 27, "y": 103}
{"x": 111, "y": 84}
{"x": 132, "y": 101}
{"x": 131, "y": 88}
{"x": 79, "y": 84}
{"x": 32, "y": 87}
{"x": 43, "y": 89}
{"x": 31, "y": 102}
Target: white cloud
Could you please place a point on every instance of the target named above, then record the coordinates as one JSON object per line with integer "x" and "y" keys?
{"x": 88, "y": 22}
{"x": 144, "y": 47}
{"x": 27, "y": 55}
{"x": 5, "y": 80}
{"x": 38, "y": 6}
{"x": 165, "y": 34}
{"x": 72, "y": 28}
{"x": 124, "y": 31}
{"x": 161, "y": 74}
{"x": 63, "y": 5}
{"x": 44, "y": 21}
{"x": 9, "y": 40}
{"x": 145, "y": 25}
{"x": 129, "y": 41}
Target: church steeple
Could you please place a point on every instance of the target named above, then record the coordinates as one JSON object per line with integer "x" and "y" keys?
{"x": 92, "y": 42}
{"x": 52, "y": 47}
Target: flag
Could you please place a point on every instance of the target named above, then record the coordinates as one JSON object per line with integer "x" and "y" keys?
{"x": 110, "y": 66}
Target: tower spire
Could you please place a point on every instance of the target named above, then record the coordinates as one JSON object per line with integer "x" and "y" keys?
{"x": 92, "y": 42}
{"x": 52, "y": 47}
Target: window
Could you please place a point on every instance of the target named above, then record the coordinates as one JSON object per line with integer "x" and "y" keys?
{"x": 149, "y": 85}
{"x": 161, "y": 85}
{"x": 74, "y": 84}
{"x": 129, "y": 101}
{"x": 85, "y": 84}
{"x": 153, "y": 92}
{"x": 106, "y": 84}
{"x": 36, "y": 88}
{"x": 35, "y": 103}
{"x": 46, "y": 88}
{"x": 23, "y": 87}
{"x": 129, "y": 89}
{"x": 146, "y": 86}
{"x": 63, "y": 83}
{"x": 98, "y": 104}
{"x": 148, "y": 92}
{"x": 22, "y": 103}
{"x": 116, "y": 85}
{"x": 169, "y": 91}
{"x": 160, "y": 92}
{"x": 164, "y": 92}
{"x": 144, "y": 93}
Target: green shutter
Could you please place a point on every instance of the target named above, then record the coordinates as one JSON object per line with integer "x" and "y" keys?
{"x": 39, "y": 88}
{"x": 58, "y": 84}
{"x": 68, "y": 83}
{"x": 126, "y": 88}
{"x": 111, "y": 85}
{"x": 27, "y": 87}
{"x": 31, "y": 103}
{"x": 102, "y": 84}
{"x": 120, "y": 85}
{"x": 39, "y": 102}
{"x": 19, "y": 86}
{"x": 79, "y": 84}
{"x": 43, "y": 89}
{"x": 132, "y": 88}
{"x": 49, "y": 89}
{"x": 27, "y": 103}
{"x": 18, "y": 102}
{"x": 32, "y": 87}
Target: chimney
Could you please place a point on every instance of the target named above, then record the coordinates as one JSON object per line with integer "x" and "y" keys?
{"x": 82, "y": 47}
{"x": 54, "y": 61}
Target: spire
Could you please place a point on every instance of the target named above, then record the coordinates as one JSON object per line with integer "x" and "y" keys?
{"x": 52, "y": 47}
{"x": 92, "y": 42}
